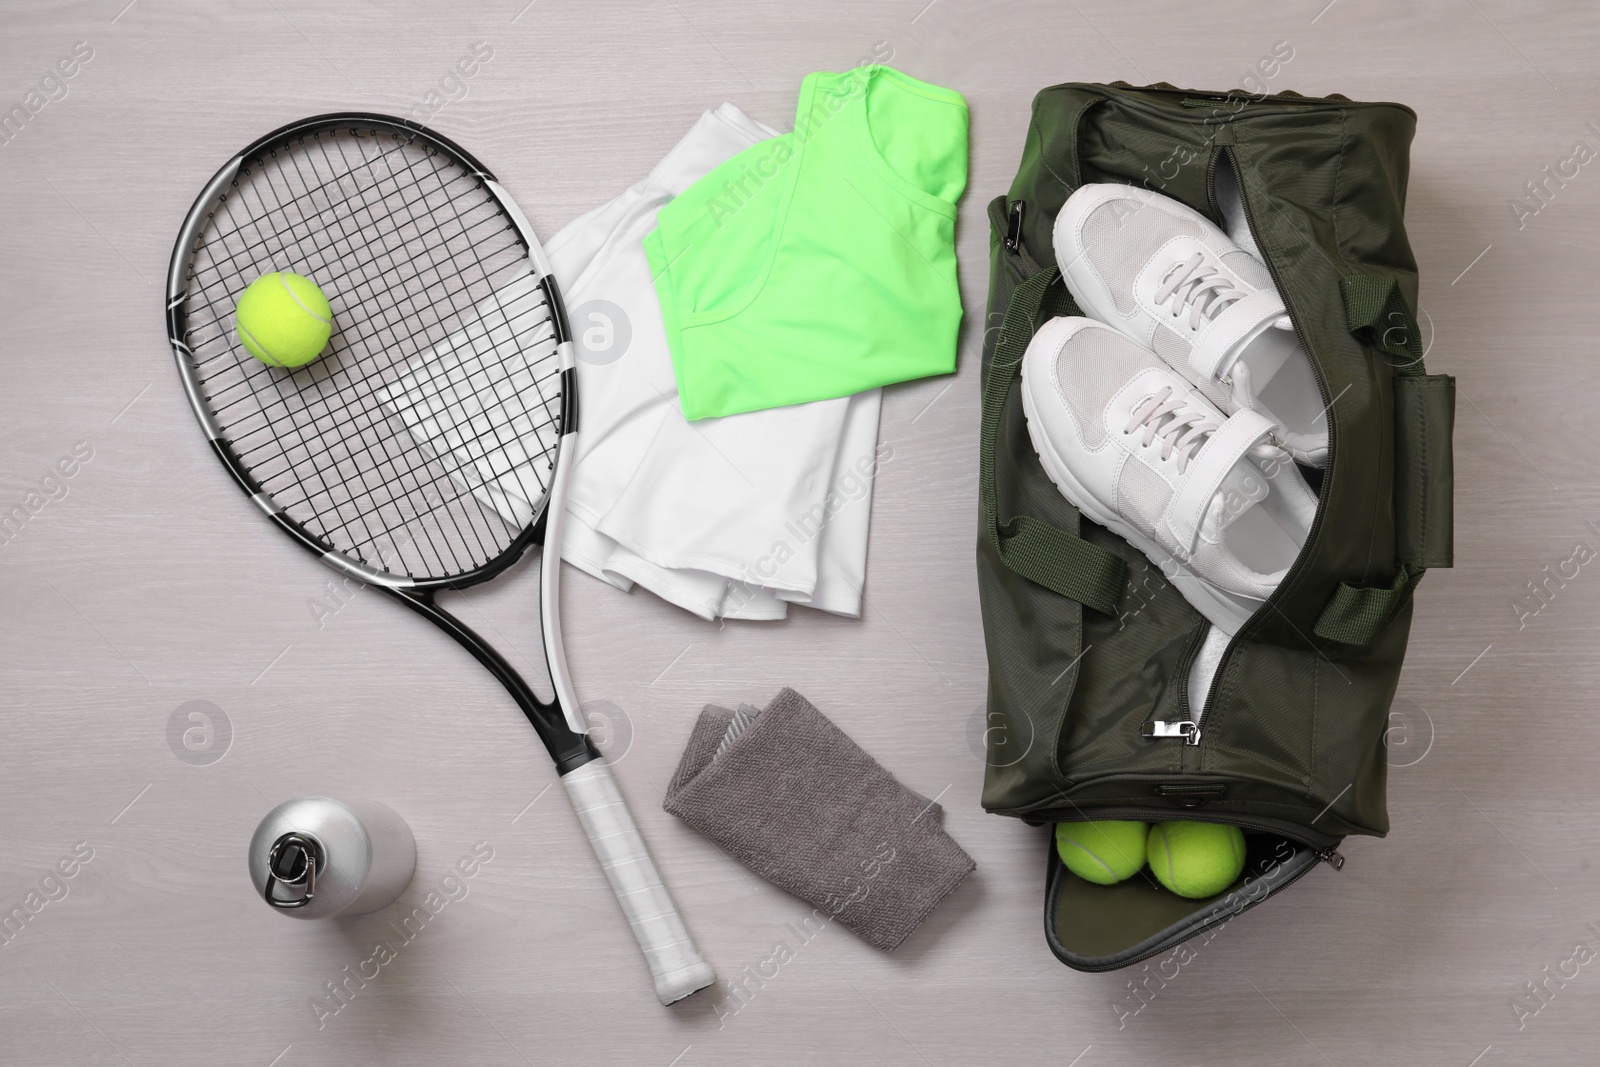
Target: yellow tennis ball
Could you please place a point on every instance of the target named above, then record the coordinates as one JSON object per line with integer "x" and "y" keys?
{"x": 1196, "y": 859}
{"x": 1103, "y": 852}
{"x": 283, "y": 320}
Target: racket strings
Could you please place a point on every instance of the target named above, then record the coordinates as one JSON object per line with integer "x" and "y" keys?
{"x": 211, "y": 292}
{"x": 326, "y": 486}
{"x": 357, "y": 260}
{"x": 432, "y": 509}
{"x": 249, "y": 454}
{"x": 439, "y": 398}
{"x": 246, "y": 395}
{"x": 498, "y": 308}
{"x": 292, "y": 208}
{"x": 472, "y": 530}
{"x": 370, "y": 411}
{"x": 477, "y": 448}
{"x": 447, "y": 409}
{"x": 223, "y": 343}
{"x": 274, "y": 242}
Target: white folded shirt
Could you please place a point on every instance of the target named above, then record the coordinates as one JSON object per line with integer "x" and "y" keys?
{"x": 727, "y": 517}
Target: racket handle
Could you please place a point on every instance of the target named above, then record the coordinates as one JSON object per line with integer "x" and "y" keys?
{"x": 674, "y": 958}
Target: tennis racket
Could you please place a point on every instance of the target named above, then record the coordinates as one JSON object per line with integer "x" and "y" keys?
{"x": 428, "y": 447}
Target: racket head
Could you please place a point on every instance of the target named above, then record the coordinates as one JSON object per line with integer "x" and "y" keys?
{"x": 419, "y": 450}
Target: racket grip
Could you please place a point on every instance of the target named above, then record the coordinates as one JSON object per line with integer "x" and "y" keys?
{"x": 674, "y": 958}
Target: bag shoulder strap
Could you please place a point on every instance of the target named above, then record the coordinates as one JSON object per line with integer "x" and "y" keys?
{"x": 1058, "y": 559}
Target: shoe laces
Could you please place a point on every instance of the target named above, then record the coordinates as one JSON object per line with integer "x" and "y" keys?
{"x": 1200, "y": 287}
{"x": 1182, "y": 431}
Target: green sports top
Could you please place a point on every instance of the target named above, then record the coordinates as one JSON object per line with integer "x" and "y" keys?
{"x": 821, "y": 262}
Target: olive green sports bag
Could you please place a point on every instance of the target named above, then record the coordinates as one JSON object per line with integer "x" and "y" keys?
{"x": 1089, "y": 646}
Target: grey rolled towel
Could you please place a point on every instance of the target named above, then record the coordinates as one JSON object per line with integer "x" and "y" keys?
{"x": 799, "y": 803}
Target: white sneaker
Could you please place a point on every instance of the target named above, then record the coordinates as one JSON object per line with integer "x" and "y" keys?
{"x": 1208, "y": 498}
{"x": 1167, "y": 277}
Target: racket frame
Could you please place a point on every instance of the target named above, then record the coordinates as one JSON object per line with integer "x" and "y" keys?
{"x": 558, "y": 722}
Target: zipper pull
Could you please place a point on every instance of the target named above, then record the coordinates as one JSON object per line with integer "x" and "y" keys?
{"x": 1014, "y": 226}
{"x": 1188, "y": 731}
{"x": 1332, "y": 858}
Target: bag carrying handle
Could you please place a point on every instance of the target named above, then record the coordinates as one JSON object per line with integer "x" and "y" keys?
{"x": 1375, "y": 310}
{"x": 1058, "y": 559}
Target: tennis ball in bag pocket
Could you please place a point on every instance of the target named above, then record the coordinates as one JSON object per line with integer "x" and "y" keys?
{"x": 1103, "y": 852}
{"x": 283, "y": 320}
{"x": 1196, "y": 859}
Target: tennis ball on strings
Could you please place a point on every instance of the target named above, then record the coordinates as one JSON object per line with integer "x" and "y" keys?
{"x": 283, "y": 320}
{"x": 1103, "y": 852}
{"x": 1196, "y": 859}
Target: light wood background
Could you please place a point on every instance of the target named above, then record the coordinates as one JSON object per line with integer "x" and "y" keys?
{"x": 152, "y": 583}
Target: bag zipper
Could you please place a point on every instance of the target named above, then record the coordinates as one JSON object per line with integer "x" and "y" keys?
{"x": 1211, "y": 183}
{"x": 1014, "y": 215}
{"x": 1192, "y": 738}
{"x": 1329, "y": 854}
{"x": 1188, "y": 730}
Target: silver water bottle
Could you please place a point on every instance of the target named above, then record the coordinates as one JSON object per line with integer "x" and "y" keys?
{"x": 314, "y": 858}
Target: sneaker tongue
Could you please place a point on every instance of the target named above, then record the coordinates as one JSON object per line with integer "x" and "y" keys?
{"x": 1242, "y": 488}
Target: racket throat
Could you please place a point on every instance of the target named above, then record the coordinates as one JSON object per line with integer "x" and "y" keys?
{"x": 569, "y": 749}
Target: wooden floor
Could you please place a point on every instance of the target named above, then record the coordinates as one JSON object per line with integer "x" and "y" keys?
{"x": 151, "y": 585}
